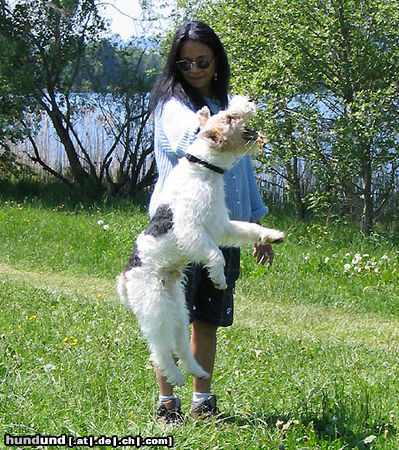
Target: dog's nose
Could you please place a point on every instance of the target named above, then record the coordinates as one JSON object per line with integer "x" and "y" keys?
{"x": 249, "y": 135}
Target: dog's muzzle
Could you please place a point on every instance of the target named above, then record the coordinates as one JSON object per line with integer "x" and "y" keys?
{"x": 251, "y": 137}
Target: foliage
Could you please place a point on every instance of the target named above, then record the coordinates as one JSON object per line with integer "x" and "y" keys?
{"x": 120, "y": 80}
{"x": 326, "y": 75}
{"x": 62, "y": 53}
{"x": 11, "y": 167}
{"x": 17, "y": 88}
{"x": 54, "y": 33}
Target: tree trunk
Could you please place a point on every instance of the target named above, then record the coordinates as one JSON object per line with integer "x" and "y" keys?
{"x": 368, "y": 202}
{"x": 86, "y": 182}
{"x": 295, "y": 184}
{"x": 79, "y": 174}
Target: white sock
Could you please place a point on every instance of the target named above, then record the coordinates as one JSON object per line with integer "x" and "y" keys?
{"x": 166, "y": 398}
{"x": 200, "y": 396}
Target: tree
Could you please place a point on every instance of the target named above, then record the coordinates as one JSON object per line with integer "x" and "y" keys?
{"x": 53, "y": 35}
{"x": 58, "y": 36}
{"x": 17, "y": 91}
{"x": 120, "y": 80}
{"x": 326, "y": 75}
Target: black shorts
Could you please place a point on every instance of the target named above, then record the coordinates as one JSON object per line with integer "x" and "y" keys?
{"x": 204, "y": 301}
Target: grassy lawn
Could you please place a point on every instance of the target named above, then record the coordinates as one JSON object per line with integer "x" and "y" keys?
{"x": 311, "y": 361}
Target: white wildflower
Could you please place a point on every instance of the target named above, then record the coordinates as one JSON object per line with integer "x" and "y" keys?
{"x": 326, "y": 260}
{"x": 347, "y": 267}
{"x": 105, "y": 227}
{"x": 279, "y": 424}
{"x": 100, "y": 222}
{"x": 357, "y": 259}
{"x": 258, "y": 352}
{"x": 369, "y": 439}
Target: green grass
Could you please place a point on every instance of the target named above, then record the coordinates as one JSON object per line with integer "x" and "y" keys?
{"x": 310, "y": 362}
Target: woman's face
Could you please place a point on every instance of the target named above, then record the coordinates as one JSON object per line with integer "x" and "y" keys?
{"x": 200, "y": 79}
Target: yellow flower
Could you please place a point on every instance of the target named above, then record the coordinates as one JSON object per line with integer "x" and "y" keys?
{"x": 33, "y": 317}
{"x": 72, "y": 341}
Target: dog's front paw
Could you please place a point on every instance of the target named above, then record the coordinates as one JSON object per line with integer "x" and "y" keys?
{"x": 221, "y": 284}
{"x": 271, "y": 236}
{"x": 216, "y": 274}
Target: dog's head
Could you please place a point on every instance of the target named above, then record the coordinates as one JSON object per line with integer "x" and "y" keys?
{"x": 226, "y": 131}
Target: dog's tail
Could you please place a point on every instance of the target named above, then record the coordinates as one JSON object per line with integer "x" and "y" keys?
{"x": 121, "y": 288}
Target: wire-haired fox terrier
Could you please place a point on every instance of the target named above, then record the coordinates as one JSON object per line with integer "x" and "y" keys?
{"x": 190, "y": 224}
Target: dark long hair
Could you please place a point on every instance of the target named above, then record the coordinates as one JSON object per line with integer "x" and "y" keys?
{"x": 172, "y": 84}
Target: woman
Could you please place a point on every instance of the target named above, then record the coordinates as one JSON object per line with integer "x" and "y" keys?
{"x": 196, "y": 74}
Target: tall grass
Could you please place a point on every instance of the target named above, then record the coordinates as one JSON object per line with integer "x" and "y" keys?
{"x": 310, "y": 362}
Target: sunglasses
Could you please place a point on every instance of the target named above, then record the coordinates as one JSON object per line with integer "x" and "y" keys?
{"x": 185, "y": 65}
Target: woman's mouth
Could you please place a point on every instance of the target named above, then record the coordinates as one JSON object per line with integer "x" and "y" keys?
{"x": 195, "y": 80}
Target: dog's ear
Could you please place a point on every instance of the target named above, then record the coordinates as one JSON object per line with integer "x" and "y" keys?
{"x": 215, "y": 136}
{"x": 203, "y": 115}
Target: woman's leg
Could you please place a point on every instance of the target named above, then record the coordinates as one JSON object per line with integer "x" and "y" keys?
{"x": 203, "y": 344}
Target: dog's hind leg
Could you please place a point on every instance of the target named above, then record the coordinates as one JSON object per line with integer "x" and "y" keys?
{"x": 168, "y": 317}
{"x": 162, "y": 347}
{"x": 154, "y": 307}
{"x": 183, "y": 349}
{"x": 166, "y": 364}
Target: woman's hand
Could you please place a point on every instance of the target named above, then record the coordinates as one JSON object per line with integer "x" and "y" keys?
{"x": 263, "y": 253}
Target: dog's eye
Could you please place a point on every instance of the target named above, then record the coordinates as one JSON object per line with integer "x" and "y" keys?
{"x": 229, "y": 118}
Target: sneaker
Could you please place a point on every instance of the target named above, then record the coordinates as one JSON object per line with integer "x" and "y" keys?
{"x": 170, "y": 412}
{"x": 206, "y": 409}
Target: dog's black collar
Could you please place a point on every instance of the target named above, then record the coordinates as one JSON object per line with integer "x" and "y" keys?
{"x": 196, "y": 160}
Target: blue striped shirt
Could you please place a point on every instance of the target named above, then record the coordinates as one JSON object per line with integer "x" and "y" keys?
{"x": 175, "y": 130}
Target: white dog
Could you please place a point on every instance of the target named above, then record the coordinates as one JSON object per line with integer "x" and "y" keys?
{"x": 190, "y": 224}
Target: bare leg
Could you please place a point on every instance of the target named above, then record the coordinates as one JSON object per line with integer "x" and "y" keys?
{"x": 203, "y": 344}
{"x": 165, "y": 388}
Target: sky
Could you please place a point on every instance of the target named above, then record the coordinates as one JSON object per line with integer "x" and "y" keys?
{"x": 122, "y": 14}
